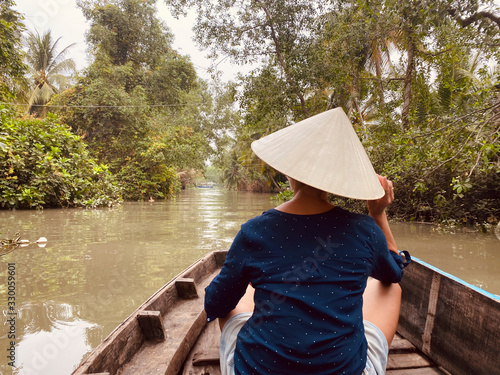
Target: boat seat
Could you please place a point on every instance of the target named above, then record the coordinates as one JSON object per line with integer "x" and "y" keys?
{"x": 208, "y": 356}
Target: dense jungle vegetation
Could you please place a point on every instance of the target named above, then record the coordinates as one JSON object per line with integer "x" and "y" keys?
{"x": 419, "y": 80}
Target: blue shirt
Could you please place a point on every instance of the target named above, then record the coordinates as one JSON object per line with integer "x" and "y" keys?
{"x": 309, "y": 273}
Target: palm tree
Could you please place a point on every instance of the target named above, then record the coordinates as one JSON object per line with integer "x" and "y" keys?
{"x": 232, "y": 174}
{"x": 468, "y": 79}
{"x": 47, "y": 68}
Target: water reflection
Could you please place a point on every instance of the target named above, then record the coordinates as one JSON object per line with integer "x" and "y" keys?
{"x": 52, "y": 331}
{"x": 469, "y": 255}
{"x": 99, "y": 265}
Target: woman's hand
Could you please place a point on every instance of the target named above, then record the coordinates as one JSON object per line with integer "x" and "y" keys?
{"x": 378, "y": 206}
{"x": 377, "y": 211}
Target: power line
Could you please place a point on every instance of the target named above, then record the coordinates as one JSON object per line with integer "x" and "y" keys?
{"x": 100, "y": 106}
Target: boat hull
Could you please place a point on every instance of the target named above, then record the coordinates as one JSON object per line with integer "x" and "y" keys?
{"x": 449, "y": 327}
{"x": 158, "y": 336}
{"x": 454, "y": 323}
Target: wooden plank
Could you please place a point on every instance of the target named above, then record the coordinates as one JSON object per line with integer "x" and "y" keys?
{"x": 416, "y": 285}
{"x": 210, "y": 356}
{"x": 457, "y": 326}
{"x": 206, "y": 346}
{"x": 163, "y": 301}
{"x": 186, "y": 288}
{"x": 151, "y": 325}
{"x": 205, "y": 353}
{"x": 401, "y": 345}
{"x": 115, "y": 350}
{"x": 416, "y": 371}
{"x": 407, "y": 360}
{"x": 183, "y": 325}
{"x": 220, "y": 257}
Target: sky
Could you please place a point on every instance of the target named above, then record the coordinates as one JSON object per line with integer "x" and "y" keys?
{"x": 65, "y": 20}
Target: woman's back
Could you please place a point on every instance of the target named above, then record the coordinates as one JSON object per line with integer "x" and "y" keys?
{"x": 309, "y": 273}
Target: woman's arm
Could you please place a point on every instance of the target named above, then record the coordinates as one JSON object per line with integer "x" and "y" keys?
{"x": 226, "y": 289}
{"x": 377, "y": 208}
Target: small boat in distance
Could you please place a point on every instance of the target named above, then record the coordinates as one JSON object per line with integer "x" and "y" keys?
{"x": 205, "y": 185}
{"x": 446, "y": 326}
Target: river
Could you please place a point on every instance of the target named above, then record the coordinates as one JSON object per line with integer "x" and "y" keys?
{"x": 99, "y": 265}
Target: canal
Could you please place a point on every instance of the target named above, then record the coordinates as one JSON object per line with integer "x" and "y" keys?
{"x": 99, "y": 265}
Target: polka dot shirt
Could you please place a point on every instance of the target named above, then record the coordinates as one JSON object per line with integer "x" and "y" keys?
{"x": 309, "y": 273}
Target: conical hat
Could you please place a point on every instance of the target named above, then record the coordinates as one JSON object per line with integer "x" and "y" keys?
{"x": 325, "y": 152}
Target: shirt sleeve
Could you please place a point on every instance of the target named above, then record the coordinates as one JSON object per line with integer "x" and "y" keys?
{"x": 227, "y": 288}
{"x": 388, "y": 266}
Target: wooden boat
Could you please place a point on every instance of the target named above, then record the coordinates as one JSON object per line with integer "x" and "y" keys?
{"x": 446, "y": 327}
{"x": 205, "y": 185}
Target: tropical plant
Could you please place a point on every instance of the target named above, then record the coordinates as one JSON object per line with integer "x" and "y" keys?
{"x": 403, "y": 71}
{"x": 44, "y": 165}
{"x": 269, "y": 32}
{"x": 232, "y": 173}
{"x": 48, "y": 69}
{"x": 147, "y": 124}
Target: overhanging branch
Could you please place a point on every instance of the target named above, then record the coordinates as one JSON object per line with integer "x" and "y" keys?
{"x": 464, "y": 22}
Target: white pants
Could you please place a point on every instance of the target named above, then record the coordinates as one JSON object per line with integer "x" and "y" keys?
{"x": 376, "y": 360}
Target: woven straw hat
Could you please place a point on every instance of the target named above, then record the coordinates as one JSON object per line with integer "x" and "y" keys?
{"x": 324, "y": 152}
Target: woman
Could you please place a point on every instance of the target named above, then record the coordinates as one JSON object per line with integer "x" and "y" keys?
{"x": 293, "y": 296}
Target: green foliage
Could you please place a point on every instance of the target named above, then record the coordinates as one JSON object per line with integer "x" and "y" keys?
{"x": 155, "y": 181}
{"x": 444, "y": 169}
{"x": 213, "y": 174}
{"x": 44, "y": 165}
{"x": 269, "y": 32}
{"x": 265, "y": 102}
{"x": 233, "y": 173}
{"x": 285, "y": 194}
{"x": 109, "y": 119}
{"x": 12, "y": 67}
{"x": 418, "y": 80}
{"x": 139, "y": 105}
{"x": 126, "y": 31}
{"x": 152, "y": 171}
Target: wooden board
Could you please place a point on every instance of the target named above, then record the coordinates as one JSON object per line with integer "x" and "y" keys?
{"x": 405, "y": 358}
{"x": 204, "y": 358}
{"x": 183, "y": 326}
{"x": 416, "y": 371}
{"x": 452, "y": 322}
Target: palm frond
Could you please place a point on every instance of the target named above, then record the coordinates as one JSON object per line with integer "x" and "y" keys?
{"x": 67, "y": 65}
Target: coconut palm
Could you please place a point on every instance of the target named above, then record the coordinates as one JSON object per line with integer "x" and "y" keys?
{"x": 48, "y": 69}
{"x": 233, "y": 173}
{"x": 469, "y": 78}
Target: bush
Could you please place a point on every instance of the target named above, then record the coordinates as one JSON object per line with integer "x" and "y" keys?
{"x": 441, "y": 173}
{"x": 140, "y": 183}
{"x": 42, "y": 164}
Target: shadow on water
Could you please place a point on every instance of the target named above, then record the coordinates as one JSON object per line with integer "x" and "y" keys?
{"x": 99, "y": 265}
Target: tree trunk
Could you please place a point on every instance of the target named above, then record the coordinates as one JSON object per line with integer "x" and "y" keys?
{"x": 279, "y": 55}
{"x": 378, "y": 72}
{"x": 407, "y": 89}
